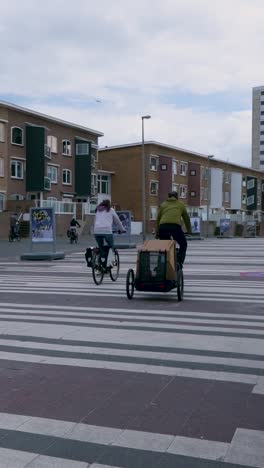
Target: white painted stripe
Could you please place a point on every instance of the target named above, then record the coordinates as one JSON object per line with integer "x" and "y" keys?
{"x": 122, "y": 316}
{"x": 115, "y": 437}
{"x": 128, "y": 367}
{"x": 19, "y": 459}
{"x": 74, "y": 308}
{"x": 170, "y": 357}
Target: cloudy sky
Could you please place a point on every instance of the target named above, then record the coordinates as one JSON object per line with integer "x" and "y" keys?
{"x": 191, "y": 64}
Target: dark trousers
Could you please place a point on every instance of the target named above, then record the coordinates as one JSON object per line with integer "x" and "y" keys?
{"x": 174, "y": 231}
{"x": 108, "y": 238}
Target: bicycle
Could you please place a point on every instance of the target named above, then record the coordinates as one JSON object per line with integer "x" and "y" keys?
{"x": 14, "y": 234}
{"x": 99, "y": 265}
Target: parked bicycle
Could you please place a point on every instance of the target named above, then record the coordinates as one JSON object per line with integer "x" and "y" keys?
{"x": 14, "y": 233}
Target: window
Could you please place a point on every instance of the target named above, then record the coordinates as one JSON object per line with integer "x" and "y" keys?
{"x": 261, "y": 152}
{"x": 262, "y": 133}
{"x": 193, "y": 172}
{"x": 251, "y": 200}
{"x": 244, "y": 182}
{"x": 82, "y": 149}
{"x": 153, "y": 163}
{"x": 47, "y": 152}
{"x": 204, "y": 193}
{"x": 193, "y": 194}
{"x": 17, "y": 136}
{"x": 2, "y": 167}
{"x": 183, "y": 168}
{"x": 174, "y": 167}
{"x": 261, "y": 142}
{"x": 103, "y": 184}
{"x": 175, "y": 188}
{"x": 53, "y": 143}
{"x": 227, "y": 177}
{"x": 153, "y": 187}
{"x": 153, "y": 213}
{"x": 52, "y": 174}
{"x": 66, "y": 176}
{"x": 16, "y": 196}
{"x": 2, "y": 131}
{"x": 93, "y": 161}
{"x": 66, "y": 147}
{"x": 93, "y": 184}
{"x": 2, "y": 201}
{"x": 244, "y": 199}
{"x": 227, "y": 197}
{"x": 163, "y": 167}
{"x": 183, "y": 191}
{"x": 17, "y": 169}
{"x": 259, "y": 184}
{"x": 205, "y": 173}
{"x": 251, "y": 183}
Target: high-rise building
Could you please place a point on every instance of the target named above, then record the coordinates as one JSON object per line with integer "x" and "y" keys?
{"x": 258, "y": 128}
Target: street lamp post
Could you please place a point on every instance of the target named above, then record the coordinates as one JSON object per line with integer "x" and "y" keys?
{"x": 209, "y": 193}
{"x": 143, "y": 180}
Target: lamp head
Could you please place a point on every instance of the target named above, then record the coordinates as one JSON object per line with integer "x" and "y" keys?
{"x": 146, "y": 117}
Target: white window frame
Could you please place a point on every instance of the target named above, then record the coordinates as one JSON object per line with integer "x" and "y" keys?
{"x": 175, "y": 167}
{"x": 153, "y": 167}
{"x": 2, "y": 132}
{"x": 175, "y": 187}
{"x": 67, "y": 172}
{"x": 244, "y": 199}
{"x": 16, "y": 163}
{"x": 182, "y": 165}
{"x": 227, "y": 177}
{"x": 244, "y": 182}
{"x": 16, "y": 196}
{"x": 153, "y": 213}
{"x": 22, "y": 136}
{"x": 250, "y": 184}
{"x": 183, "y": 191}
{"x": 50, "y": 175}
{"x": 94, "y": 182}
{"x": 53, "y": 143}
{"x": 226, "y": 196}
{"x": 68, "y": 144}
{"x": 2, "y": 167}
{"x": 251, "y": 200}
{"x": 156, "y": 185}
{"x": 100, "y": 183}
{"x": 82, "y": 149}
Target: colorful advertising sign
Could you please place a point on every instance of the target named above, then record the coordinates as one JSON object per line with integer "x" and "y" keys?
{"x": 42, "y": 225}
{"x": 225, "y": 225}
{"x": 196, "y": 225}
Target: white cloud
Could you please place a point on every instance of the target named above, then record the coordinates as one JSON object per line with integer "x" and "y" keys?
{"x": 129, "y": 53}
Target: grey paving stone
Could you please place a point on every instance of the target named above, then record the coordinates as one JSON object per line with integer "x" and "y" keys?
{"x": 12, "y": 421}
{"x": 247, "y": 448}
{"x": 89, "y": 433}
{"x": 14, "y": 458}
{"x": 49, "y": 462}
{"x": 46, "y": 426}
{"x": 144, "y": 441}
{"x": 199, "y": 448}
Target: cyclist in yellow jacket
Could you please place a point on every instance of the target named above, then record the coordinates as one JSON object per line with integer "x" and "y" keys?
{"x": 170, "y": 215}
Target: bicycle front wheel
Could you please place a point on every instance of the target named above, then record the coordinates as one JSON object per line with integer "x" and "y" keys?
{"x": 97, "y": 269}
{"x": 114, "y": 269}
{"x": 180, "y": 284}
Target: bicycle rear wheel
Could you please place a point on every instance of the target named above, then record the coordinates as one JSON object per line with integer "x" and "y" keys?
{"x": 97, "y": 269}
{"x": 180, "y": 283}
{"x": 114, "y": 269}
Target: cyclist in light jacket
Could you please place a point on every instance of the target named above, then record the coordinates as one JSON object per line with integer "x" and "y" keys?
{"x": 105, "y": 217}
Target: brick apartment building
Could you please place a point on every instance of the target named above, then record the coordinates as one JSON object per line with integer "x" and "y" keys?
{"x": 45, "y": 158}
{"x": 199, "y": 180}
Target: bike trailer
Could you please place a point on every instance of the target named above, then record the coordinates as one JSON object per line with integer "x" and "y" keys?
{"x": 156, "y": 266}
